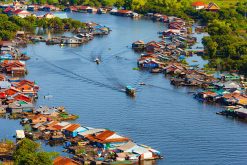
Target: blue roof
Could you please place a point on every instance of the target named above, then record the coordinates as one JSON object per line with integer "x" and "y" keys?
{"x": 6, "y": 56}
{"x": 129, "y": 87}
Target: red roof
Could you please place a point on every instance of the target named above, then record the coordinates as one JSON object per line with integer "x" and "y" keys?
{"x": 72, "y": 127}
{"x": 26, "y": 82}
{"x": 64, "y": 161}
{"x": 198, "y": 3}
{"x": 57, "y": 127}
{"x": 22, "y": 98}
{"x": 38, "y": 116}
{"x": 8, "y": 9}
{"x": 102, "y": 137}
{"x": 124, "y": 11}
{"x": 17, "y": 11}
{"x": 11, "y": 91}
{"x": 2, "y": 95}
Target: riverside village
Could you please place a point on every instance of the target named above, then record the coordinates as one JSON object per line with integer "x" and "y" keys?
{"x": 175, "y": 54}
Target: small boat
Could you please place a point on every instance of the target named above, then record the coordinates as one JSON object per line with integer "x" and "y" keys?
{"x": 48, "y": 97}
{"x": 156, "y": 70}
{"x": 130, "y": 91}
{"x": 14, "y": 79}
{"x": 97, "y": 61}
{"x": 142, "y": 83}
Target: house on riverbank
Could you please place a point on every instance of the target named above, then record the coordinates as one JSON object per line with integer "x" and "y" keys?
{"x": 198, "y": 5}
{"x": 107, "y": 139}
{"x": 6, "y": 46}
{"x": 212, "y": 7}
{"x": 21, "y": 13}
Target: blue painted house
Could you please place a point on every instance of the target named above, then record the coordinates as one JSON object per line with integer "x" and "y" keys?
{"x": 6, "y": 57}
{"x": 73, "y": 130}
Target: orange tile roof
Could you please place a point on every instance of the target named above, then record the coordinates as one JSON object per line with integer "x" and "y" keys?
{"x": 124, "y": 11}
{"x": 38, "y": 116}
{"x": 72, "y": 127}
{"x": 102, "y": 137}
{"x": 198, "y": 3}
{"x": 210, "y": 93}
{"x": 231, "y": 95}
{"x": 64, "y": 161}
{"x": 57, "y": 127}
{"x": 26, "y": 82}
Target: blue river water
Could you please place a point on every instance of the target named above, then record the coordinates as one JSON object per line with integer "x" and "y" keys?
{"x": 161, "y": 116}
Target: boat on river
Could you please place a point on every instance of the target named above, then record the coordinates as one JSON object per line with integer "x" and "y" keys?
{"x": 130, "y": 91}
{"x": 97, "y": 60}
{"x": 142, "y": 83}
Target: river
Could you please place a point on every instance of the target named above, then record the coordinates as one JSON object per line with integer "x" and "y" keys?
{"x": 161, "y": 116}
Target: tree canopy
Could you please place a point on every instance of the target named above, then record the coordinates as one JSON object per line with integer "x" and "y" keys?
{"x": 29, "y": 152}
{"x": 10, "y": 25}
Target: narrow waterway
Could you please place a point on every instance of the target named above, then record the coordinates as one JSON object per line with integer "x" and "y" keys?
{"x": 161, "y": 116}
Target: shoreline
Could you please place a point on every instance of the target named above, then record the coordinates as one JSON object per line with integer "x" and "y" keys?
{"x": 168, "y": 57}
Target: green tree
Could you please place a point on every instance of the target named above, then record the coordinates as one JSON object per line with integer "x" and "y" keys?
{"x": 217, "y": 27}
{"x": 210, "y": 46}
{"x": 119, "y": 3}
{"x": 28, "y": 152}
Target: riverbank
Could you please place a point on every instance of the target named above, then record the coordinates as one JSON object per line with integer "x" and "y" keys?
{"x": 169, "y": 57}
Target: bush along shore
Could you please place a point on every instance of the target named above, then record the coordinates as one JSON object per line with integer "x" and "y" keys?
{"x": 52, "y": 125}
{"x": 168, "y": 57}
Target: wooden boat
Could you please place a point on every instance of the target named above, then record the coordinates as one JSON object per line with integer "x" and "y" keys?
{"x": 130, "y": 91}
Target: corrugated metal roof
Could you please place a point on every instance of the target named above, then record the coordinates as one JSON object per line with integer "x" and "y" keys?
{"x": 64, "y": 161}
{"x": 140, "y": 150}
{"x": 72, "y": 127}
{"x": 104, "y": 135}
{"x": 127, "y": 146}
{"x": 91, "y": 131}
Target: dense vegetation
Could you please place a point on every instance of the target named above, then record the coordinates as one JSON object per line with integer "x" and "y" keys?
{"x": 10, "y": 25}
{"x": 29, "y": 152}
{"x": 226, "y": 47}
